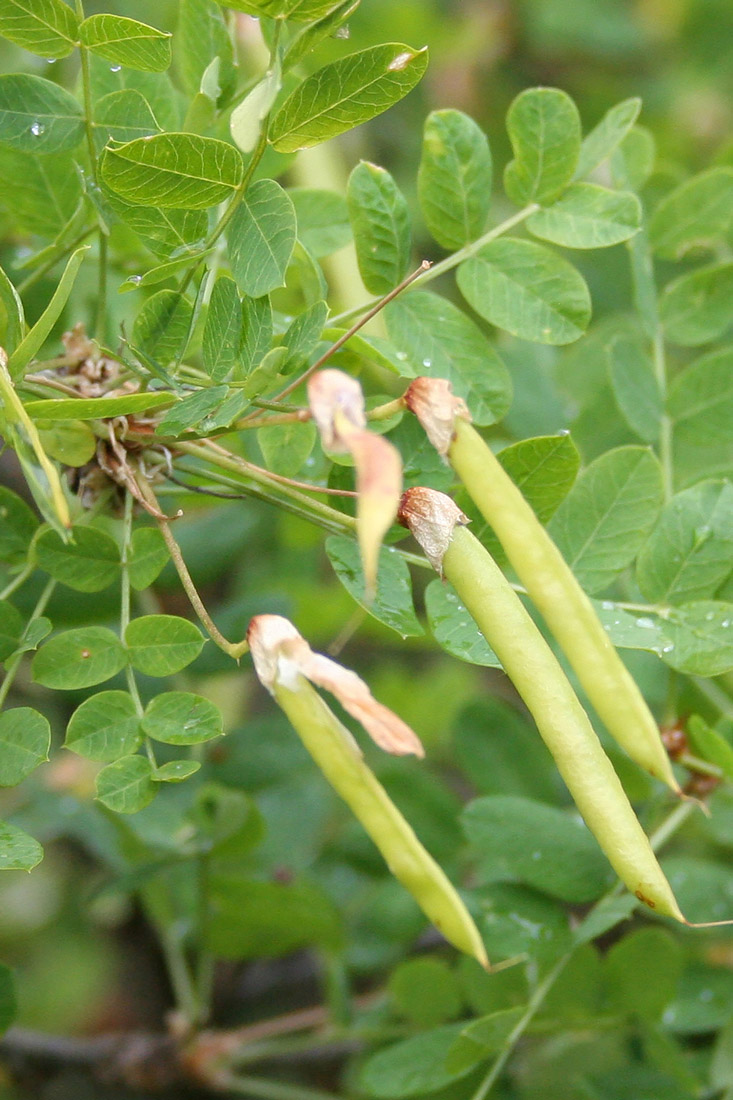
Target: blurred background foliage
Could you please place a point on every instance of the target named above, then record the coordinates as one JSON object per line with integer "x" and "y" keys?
{"x": 86, "y": 959}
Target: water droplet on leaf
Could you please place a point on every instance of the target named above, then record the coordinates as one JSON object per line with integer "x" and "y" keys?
{"x": 37, "y": 128}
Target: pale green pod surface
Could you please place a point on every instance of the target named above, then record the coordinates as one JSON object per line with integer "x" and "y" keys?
{"x": 535, "y": 672}
{"x": 546, "y": 575}
{"x": 339, "y": 758}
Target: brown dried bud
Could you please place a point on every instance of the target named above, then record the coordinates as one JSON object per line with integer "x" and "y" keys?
{"x": 337, "y": 407}
{"x": 436, "y": 406}
{"x": 281, "y": 656}
{"x": 431, "y": 517}
{"x": 674, "y": 739}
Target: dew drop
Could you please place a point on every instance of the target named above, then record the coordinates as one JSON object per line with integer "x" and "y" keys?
{"x": 402, "y": 355}
{"x": 668, "y": 648}
{"x": 709, "y": 616}
{"x": 136, "y": 279}
{"x": 725, "y": 623}
{"x": 115, "y": 68}
{"x": 427, "y": 362}
{"x": 607, "y": 605}
{"x": 37, "y": 128}
{"x": 50, "y": 60}
{"x": 646, "y": 624}
{"x": 564, "y": 431}
{"x": 536, "y": 855}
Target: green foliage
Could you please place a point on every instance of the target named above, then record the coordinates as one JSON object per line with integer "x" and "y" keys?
{"x": 153, "y": 199}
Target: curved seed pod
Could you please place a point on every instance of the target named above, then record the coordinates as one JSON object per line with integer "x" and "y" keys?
{"x": 546, "y": 690}
{"x": 284, "y": 663}
{"x": 545, "y": 574}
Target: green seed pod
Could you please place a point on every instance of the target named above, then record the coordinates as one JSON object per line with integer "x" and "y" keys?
{"x": 435, "y": 521}
{"x": 545, "y": 574}
{"x": 282, "y": 661}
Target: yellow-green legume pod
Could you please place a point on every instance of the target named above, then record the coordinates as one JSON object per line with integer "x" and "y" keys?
{"x": 538, "y": 677}
{"x": 553, "y": 589}
{"x": 339, "y": 758}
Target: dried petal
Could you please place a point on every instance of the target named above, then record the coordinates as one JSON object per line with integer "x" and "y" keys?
{"x": 379, "y": 485}
{"x": 436, "y": 406}
{"x": 281, "y": 656}
{"x": 337, "y": 407}
{"x": 431, "y": 517}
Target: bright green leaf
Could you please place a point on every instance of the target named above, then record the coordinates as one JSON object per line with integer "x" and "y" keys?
{"x": 527, "y": 290}
{"x": 380, "y": 220}
{"x": 588, "y": 216}
{"x": 436, "y": 339}
{"x": 148, "y": 555}
{"x": 202, "y": 36}
{"x": 700, "y": 404}
{"x": 708, "y": 744}
{"x": 48, "y": 28}
{"x": 37, "y": 116}
{"x": 17, "y": 526}
{"x": 97, "y": 408}
{"x": 544, "y": 468}
{"x": 392, "y": 602}
{"x": 604, "y": 138}
{"x": 72, "y": 443}
{"x": 544, "y": 129}
{"x": 126, "y": 42}
{"x": 345, "y": 94}
{"x": 632, "y": 162}
{"x": 323, "y": 219}
{"x": 105, "y": 727}
{"x": 605, "y": 519}
{"x": 25, "y": 738}
{"x": 12, "y": 318}
{"x": 180, "y": 718}
{"x": 179, "y": 171}
{"x": 88, "y": 562}
{"x": 413, "y": 1067}
{"x": 695, "y": 308}
{"x": 18, "y": 851}
{"x": 285, "y": 447}
{"x": 191, "y": 410}
{"x": 45, "y": 203}
{"x": 484, "y": 1037}
{"x": 162, "y": 325}
{"x": 635, "y": 386}
{"x": 127, "y": 785}
{"x": 247, "y": 118}
{"x": 176, "y": 771}
{"x": 300, "y": 11}
{"x": 34, "y": 340}
{"x": 260, "y": 239}
{"x": 700, "y": 638}
{"x": 161, "y": 645}
{"x": 325, "y": 26}
{"x": 454, "y": 178}
{"x": 79, "y": 658}
{"x": 426, "y": 991}
{"x": 123, "y": 116}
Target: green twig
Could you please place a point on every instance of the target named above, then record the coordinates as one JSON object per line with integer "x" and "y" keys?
{"x": 263, "y": 1089}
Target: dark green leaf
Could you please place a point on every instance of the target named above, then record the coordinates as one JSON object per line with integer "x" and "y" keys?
{"x": 179, "y": 171}
{"x": 148, "y": 555}
{"x": 518, "y": 921}
{"x": 539, "y": 845}
{"x": 48, "y": 28}
{"x": 127, "y": 785}
{"x": 323, "y": 220}
{"x": 708, "y": 744}
{"x": 25, "y": 738}
{"x": 609, "y": 912}
{"x": 201, "y": 36}
{"x": 651, "y": 952}
{"x": 123, "y": 116}
{"x": 79, "y": 658}
{"x": 453, "y": 628}
{"x": 454, "y": 178}
{"x": 126, "y": 42}
{"x": 261, "y": 239}
{"x": 47, "y": 200}
{"x": 701, "y": 407}
{"x": 345, "y": 94}
{"x": 104, "y": 727}
{"x": 588, "y": 216}
{"x": 97, "y": 408}
{"x": 527, "y": 290}
{"x": 498, "y": 750}
{"x": 544, "y": 468}
{"x": 302, "y": 336}
{"x": 37, "y": 116}
{"x": 227, "y": 822}
{"x": 180, "y": 718}
{"x": 12, "y": 319}
{"x": 604, "y": 138}
{"x": 11, "y": 629}
{"x": 436, "y": 339}
{"x": 257, "y": 335}
{"x": 18, "y": 851}
{"x": 327, "y": 25}
{"x": 392, "y": 603}
{"x": 635, "y": 386}
{"x": 628, "y": 631}
{"x": 697, "y": 214}
{"x": 484, "y": 1037}
{"x": 425, "y": 991}
{"x": 690, "y": 551}
{"x": 162, "y": 644}
{"x": 413, "y": 1067}
{"x": 286, "y": 447}
{"x": 700, "y": 638}
{"x": 223, "y": 330}
{"x": 162, "y": 325}
{"x": 164, "y": 232}
{"x": 8, "y": 1006}
{"x": 380, "y": 220}
{"x": 605, "y": 519}
{"x": 88, "y": 562}
{"x": 17, "y": 526}
{"x": 696, "y": 307}
{"x": 703, "y": 1000}
{"x": 252, "y": 919}
{"x": 544, "y": 129}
